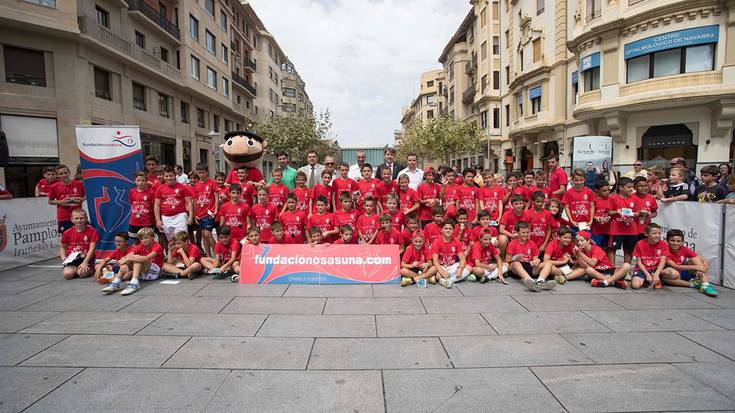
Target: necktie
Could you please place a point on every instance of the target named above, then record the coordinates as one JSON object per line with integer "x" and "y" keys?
{"x": 311, "y": 177}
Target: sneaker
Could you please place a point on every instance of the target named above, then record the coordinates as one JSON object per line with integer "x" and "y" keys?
{"x": 471, "y": 277}
{"x": 445, "y": 283}
{"x": 695, "y": 283}
{"x": 709, "y": 290}
{"x": 131, "y": 288}
{"x": 531, "y": 284}
{"x": 560, "y": 279}
{"x": 221, "y": 275}
{"x": 597, "y": 283}
{"x": 166, "y": 274}
{"x": 405, "y": 281}
{"x": 235, "y": 278}
{"x": 112, "y": 287}
{"x": 192, "y": 275}
{"x": 483, "y": 280}
{"x": 432, "y": 279}
{"x": 621, "y": 284}
{"x": 548, "y": 285}
{"x": 657, "y": 285}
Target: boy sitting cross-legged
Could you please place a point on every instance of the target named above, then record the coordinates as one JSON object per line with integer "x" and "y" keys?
{"x": 485, "y": 259}
{"x": 692, "y": 268}
{"x": 558, "y": 256}
{"x": 593, "y": 262}
{"x": 144, "y": 261}
{"x": 226, "y": 259}
{"x": 651, "y": 253}
{"x": 110, "y": 264}
{"x": 522, "y": 257}
{"x": 183, "y": 258}
{"x": 449, "y": 258}
{"x": 417, "y": 262}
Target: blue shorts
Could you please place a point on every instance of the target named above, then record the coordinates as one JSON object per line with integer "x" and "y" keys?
{"x": 626, "y": 242}
{"x": 601, "y": 240}
{"x": 686, "y": 275}
{"x": 638, "y": 273}
{"x": 206, "y": 223}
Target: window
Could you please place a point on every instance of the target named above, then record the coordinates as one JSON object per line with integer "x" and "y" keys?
{"x": 592, "y": 79}
{"x": 139, "y": 39}
{"x": 209, "y": 7}
{"x": 688, "y": 59}
{"x": 163, "y": 105}
{"x": 184, "y": 112}
{"x": 483, "y": 17}
{"x": 483, "y": 83}
{"x": 507, "y": 39}
{"x": 45, "y": 3}
{"x": 594, "y": 9}
{"x": 496, "y": 10}
{"x": 638, "y": 68}
{"x": 507, "y": 75}
{"x": 430, "y": 99}
{"x": 430, "y": 83}
{"x": 201, "y": 119}
{"x": 164, "y": 54}
{"x": 520, "y": 59}
{"x": 102, "y": 84}
{"x": 483, "y": 51}
{"x": 483, "y": 120}
{"x": 496, "y": 118}
{"x": 519, "y": 99}
{"x": 215, "y": 123}
{"x": 290, "y": 92}
{"x": 507, "y": 115}
{"x": 228, "y": 125}
{"x": 667, "y": 63}
{"x": 223, "y": 53}
{"x": 451, "y": 95}
{"x": 210, "y": 42}
{"x": 24, "y": 66}
{"x": 536, "y": 50}
{"x": 539, "y": 6}
{"x": 226, "y": 87}
{"x": 223, "y": 21}
{"x": 139, "y": 96}
{"x": 496, "y": 45}
{"x": 194, "y": 67}
{"x": 194, "y": 28}
{"x": 211, "y": 78}
{"x": 536, "y": 105}
{"x": 496, "y": 79}
{"x": 103, "y": 17}
{"x": 699, "y": 58}
{"x": 429, "y": 114}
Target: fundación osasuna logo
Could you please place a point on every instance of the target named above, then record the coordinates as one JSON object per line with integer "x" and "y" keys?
{"x": 124, "y": 140}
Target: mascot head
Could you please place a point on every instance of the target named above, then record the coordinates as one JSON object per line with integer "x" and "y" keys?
{"x": 243, "y": 148}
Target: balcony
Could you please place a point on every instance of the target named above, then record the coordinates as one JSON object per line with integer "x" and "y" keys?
{"x": 250, "y": 65}
{"x": 468, "y": 95}
{"x": 240, "y": 81}
{"x": 471, "y": 66}
{"x": 140, "y": 7}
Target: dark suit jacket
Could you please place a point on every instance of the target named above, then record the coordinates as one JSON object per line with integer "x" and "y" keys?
{"x": 396, "y": 168}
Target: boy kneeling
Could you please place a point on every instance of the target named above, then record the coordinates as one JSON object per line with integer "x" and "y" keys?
{"x": 144, "y": 261}
{"x": 691, "y": 266}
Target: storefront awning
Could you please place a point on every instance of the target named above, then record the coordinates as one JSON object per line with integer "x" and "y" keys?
{"x": 534, "y": 92}
{"x": 589, "y": 62}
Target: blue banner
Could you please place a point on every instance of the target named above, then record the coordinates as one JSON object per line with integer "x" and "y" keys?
{"x": 672, "y": 40}
{"x": 589, "y": 62}
{"x": 534, "y": 92}
{"x": 109, "y": 157}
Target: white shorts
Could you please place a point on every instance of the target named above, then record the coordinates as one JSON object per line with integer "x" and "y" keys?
{"x": 491, "y": 275}
{"x": 152, "y": 273}
{"x": 452, "y": 270}
{"x": 173, "y": 224}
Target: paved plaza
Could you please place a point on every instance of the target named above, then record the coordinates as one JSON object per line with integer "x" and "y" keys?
{"x": 211, "y": 346}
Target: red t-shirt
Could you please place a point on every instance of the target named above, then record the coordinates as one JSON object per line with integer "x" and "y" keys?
{"x": 286, "y": 239}
{"x": 44, "y": 186}
{"x": 557, "y": 180}
{"x": 527, "y": 250}
{"x": 248, "y": 193}
{"x": 263, "y": 217}
{"x": 142, "y": 250}
{"x": 392, "y": 237}
{"x": 368, "y": 225}
{"x": 119, "y": 253}
{"x": 204, "y": 193}
{"x": 78, "y": 241}
{"x": 450, "y": 198}
{"x": 223, "y": 194}
{"x": 303, "y": 195}
{"x": 477, "y": 232}
{"x": 385, "y": 189}
{"x": 141, "y": 207}
{"x": 620, "y": 225}
{"x": 491, "y": 199}
{"x": 340, "y": 241}
{"x": 603, "y": 263}
{"x": 556, "y": 251}
{"x": 321, "y": 190}
{"x": 481, "y": 254}
{"x": 579, "y": 203}
{"x": 252, "y": 175}
{"x": 323, "y": 222}
{"x": 346, "y": 218}
{"x": 294, "y": 224}
{"x": 341, "y": 185}
{"x": 397, "y": 219}
{"x": 151, "y": 181}
{"x": 192, "y": 251}
{"x": 407, "y": 199}
{"x": 510, "y": 219}
{"x": 468, "y": 200}
{"x": 602, "y": 206}
{"x": 540, "y": 223}
{"x": 235, "y": 216}
{"x": 224, "y": 251}
{"x": 173, "y": 198}
{"x": 407, "y": 235}
{"x": 519, "y": 190}
{"x": 447, "y": 251}
{"x": 464, "y": 237}
{"x": 644, "y": 203}
{"x": 367, "y": 188}
{"x": 432, "y": 232}
{"x": 682, "y": 255}
{"x": 650, "y": 255}
{"x": 60, "y": 191}
{"x": 277, "y": 195}
{"x": 413, "y": 255}
{"x": 426, "y": 191}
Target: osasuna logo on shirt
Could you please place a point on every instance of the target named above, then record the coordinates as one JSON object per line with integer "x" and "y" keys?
{"x": 298, "y": 219}
{"x": 239, "y": 211}
{"x": 267, "y": 212}
{"x": 145, "y": 197}
{"x": 176, "y": 191}
{"x": 584, "y": 197}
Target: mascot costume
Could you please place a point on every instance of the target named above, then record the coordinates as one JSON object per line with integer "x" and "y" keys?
{"x": 244, "y": 148}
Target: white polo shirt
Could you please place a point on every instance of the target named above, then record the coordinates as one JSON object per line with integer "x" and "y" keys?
{"x": 415, "y": 177}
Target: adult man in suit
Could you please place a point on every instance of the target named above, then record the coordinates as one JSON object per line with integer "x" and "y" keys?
{"x": 390, "y": 155}
{"x": 312, "y": 169}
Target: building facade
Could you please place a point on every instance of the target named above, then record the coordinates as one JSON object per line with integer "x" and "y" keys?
{"x": 186, "y": 72}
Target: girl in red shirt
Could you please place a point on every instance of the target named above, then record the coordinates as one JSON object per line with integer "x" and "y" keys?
{"x": 593, "y": 262}
{"x": 302, "y": 194}
{"x": 428, "y": 193}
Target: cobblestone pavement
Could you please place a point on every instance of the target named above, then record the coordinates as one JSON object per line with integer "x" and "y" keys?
{"x": 211, "y": 346}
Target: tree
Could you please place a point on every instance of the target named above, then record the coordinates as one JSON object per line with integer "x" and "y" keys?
{"x": 440, "y": 138}
{"x": 297, "y": 135}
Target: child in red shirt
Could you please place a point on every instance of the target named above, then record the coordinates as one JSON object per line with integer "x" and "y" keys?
{"x": 691, "y": 267}
{"x": 579, "y": 202}
{"x": 368, "y": 186}
{"x": 248, "y": 189}
{"x": 294, "y": 222}
{"x": 183, "y": 258}
{"x": 646, "y": 204}
{"x": 315, "y": 236}
{"x": 484, "y": 223}
{"x": 81, "y": 239}
{"x": 433, "y": 230}
{"x": 651, "y": 253}
{"x": 44, "y": 184}
{"x": 368, "y": 222}
{"x": 601, "y": 220}
{"x": 521, "y": 255}
{"x": 391, "y": 208}
{"x": 302, "y": 194}
{"x": 593, "y": 262}
{"x": 450, "y": 194}
{"x": 322, "y": 189}
{"x": 624, "y": 211}
{"x": 556, "y": 209}
{"x": 386, "y": 187}
{"x": 226, "y": 259}
{"x": 235, "y": 214}
{"x": 67, "y": 194}
{"x": 262, "y": 214}
{"x": 449, "y": 257}
{"x": 279, "y": 235}
{"x": 387, "y": 235}
{"x": 141, "y": 199}
{"x": 323, "y": 220}
{"x": 104, "y": 272}
{"x": 468, "y": 195}
{"x": 540, "y": 221}
{"x": 485, "y": 258}
{"x": 428, "y": 193}
{"x": 408, "y": 198}
{"x": 417, "y": 262}
{"x": 559, "y": 257}
{"x": 491, "y": 198}
{"x": 223, "y": 191}
{"x": 144, "y": 261}
{"x": 462, "y": 231}
{"x": 346, "y": 235}
{"x": 206, "y": 205}
{"x": 173, "y": 207}
{"x": 412, "y": 225}
{"x": 509, "y": 220}
{"x": 343, "y": 185}
{"x": 277, "y": 191}
{"x": 346, "y": 215}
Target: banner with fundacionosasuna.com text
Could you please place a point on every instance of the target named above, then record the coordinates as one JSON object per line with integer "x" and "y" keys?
{"x": 319, "y": 264}
{"x": 28, "y": 232}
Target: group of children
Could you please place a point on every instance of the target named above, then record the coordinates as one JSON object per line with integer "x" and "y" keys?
{"x": 446, "y": 232}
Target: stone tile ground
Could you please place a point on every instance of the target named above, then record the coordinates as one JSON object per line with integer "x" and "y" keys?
{"x": 211, "y": 346}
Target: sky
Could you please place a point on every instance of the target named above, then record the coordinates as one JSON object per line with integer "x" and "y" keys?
{"x": 362, "y": 59}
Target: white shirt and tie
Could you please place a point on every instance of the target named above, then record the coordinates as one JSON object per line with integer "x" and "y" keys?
{"x": 313, "y": 174}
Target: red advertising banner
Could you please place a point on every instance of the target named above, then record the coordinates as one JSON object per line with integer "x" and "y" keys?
{"x": 320, "y": 264}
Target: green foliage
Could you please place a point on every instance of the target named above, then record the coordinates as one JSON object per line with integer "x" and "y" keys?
{"x": 438, "y": 138}
{"x": 296, "y": 135}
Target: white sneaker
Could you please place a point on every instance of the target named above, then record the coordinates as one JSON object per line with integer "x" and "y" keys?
{"x": 548, "y": 284}
{"x": 445, "y": 283}
{"x": 531, "y": 284}
{"x": 130, "y": 289}
{"x": 112, "y": 288}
